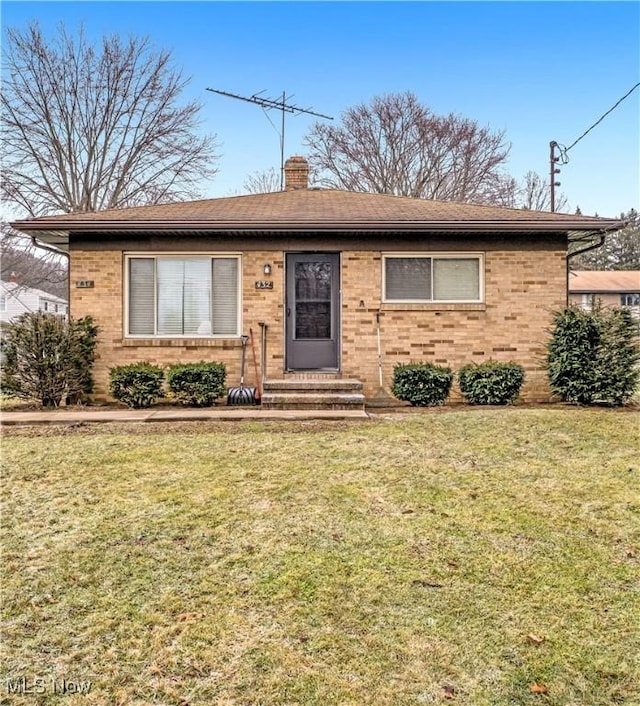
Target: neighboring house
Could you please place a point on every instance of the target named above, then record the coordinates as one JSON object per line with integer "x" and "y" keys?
{"x": 343, "y": 281}
{"x": 611, "y": 288}
{"x": 16, "y": 299}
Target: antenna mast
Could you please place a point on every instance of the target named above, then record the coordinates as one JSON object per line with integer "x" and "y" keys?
{"x": 280, "y": 104}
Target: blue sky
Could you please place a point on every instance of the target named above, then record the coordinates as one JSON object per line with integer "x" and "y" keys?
{"x": 540, "y": 71}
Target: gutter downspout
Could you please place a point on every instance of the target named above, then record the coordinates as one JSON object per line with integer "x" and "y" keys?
{"x": 42, "y": 246}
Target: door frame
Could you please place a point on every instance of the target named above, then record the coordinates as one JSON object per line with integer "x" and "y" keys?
{"x": 336, "y": 310}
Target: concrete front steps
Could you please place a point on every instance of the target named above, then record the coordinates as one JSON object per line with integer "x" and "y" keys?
{"x": 313, "y": 394}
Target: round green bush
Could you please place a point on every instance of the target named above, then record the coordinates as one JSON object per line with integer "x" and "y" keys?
{"x": 491, "y": 382}
{"x": 421, "y": 384}
{"x": 197, "y": 384}
{"x": 137, "y": 385}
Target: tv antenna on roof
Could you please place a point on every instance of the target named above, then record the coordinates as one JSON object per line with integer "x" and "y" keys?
{"x": 280, "y": 104}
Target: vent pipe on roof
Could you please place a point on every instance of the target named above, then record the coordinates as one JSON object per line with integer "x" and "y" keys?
{"x": 296, "y": 173}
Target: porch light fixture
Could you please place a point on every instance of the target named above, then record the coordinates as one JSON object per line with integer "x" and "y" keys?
{"x": 266, "y": 268}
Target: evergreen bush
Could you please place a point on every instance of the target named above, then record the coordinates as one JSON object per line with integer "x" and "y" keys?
{"x": 491, "y": 382}
{"x": 197, "y": 384}
{"x": 137, "y": 385}
{"x": 48, "y": 358}
{"x": 87, "y": 334}
{"x": 593, "y": 356}
{"x": 421, "y": 384}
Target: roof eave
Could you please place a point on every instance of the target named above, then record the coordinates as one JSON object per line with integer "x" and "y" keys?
{"x": 52, "y": 232}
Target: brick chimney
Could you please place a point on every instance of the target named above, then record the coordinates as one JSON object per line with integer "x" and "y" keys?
{"x": 296, "y": 173}
{"x": 13, "y": 277}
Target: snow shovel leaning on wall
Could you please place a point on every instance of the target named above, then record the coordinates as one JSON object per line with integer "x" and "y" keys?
{"x": 242, "y": 395}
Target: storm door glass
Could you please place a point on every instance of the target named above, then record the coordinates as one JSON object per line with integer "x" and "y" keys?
{"x": 313, "y": 300}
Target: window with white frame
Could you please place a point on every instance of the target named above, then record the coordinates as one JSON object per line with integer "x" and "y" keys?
{"x": 630, "y": 299}
{"x": 433, "y": 277}
{"x": 183, "y": 295}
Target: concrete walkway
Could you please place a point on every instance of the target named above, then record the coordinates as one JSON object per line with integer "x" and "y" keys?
{"x": 92, "y": 415}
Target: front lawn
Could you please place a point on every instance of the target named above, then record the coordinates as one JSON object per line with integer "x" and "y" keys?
{"x": 470, "y": 557}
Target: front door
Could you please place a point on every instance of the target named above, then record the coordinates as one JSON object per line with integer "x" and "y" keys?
{"x": 312, "y": 311}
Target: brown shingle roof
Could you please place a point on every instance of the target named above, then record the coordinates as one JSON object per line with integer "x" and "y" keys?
{"x": 313, "y": 209}
{"x": 600, "y": 282}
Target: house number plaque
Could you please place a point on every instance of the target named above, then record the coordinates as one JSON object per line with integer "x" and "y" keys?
{"x": 264, "y": 284}
{"x": 84, "y": 284}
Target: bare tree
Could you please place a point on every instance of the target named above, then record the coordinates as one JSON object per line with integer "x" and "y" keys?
{"x": 263, "y": 182}
{"x": 31, "y": 265}
{"x": 92, "y": 127}
{"x": 535, "y": 194}
{"x": 395, "y": 145}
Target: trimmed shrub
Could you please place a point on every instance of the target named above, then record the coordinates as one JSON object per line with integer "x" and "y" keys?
{"x": 137, "y": 385}
{"x": 197, "y": 384}
{"x": 48, "y": 358}
{"x": 421, "y": 384}
{"x": 571, "y": 354}
{"x": 87, "y": 333}
{"x": 616, "y": 371}
{"x": 593, "y": 356}
{"x": 491, "y": 382}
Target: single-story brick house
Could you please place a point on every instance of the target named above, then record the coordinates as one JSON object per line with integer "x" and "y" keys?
{"x": 610, "y": 287}
{"x": 347, "y": 284}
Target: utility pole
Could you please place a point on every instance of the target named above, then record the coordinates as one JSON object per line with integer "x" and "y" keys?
{"x": 277, "y": 104}
{"x": 553, "y": 170}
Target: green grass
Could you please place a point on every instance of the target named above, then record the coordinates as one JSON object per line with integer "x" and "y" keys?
{"x": 381, "y": 562}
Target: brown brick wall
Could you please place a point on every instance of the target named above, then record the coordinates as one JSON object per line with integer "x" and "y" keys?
{"x": 522, "y": 288}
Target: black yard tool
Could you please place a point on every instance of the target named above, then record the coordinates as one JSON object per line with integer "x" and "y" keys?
{"x": 242, "y": 395}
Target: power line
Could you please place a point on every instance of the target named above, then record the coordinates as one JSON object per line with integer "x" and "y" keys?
{"x": 599, "y": 120}
{"x": 562, "y": 157}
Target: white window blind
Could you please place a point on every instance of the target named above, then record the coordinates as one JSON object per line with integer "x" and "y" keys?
{"x": 141, "y": 296}
{"x": 183, "y": 296}
{"x": 225, "y": 307}
{"x": 408, "y": 278}
{"x": 432, "y": 278}
{"x": 456, "y": 279}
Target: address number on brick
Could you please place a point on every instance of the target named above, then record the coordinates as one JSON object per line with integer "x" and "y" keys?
{"x": 84, "y": 283}
{"x": 264, "y": 284}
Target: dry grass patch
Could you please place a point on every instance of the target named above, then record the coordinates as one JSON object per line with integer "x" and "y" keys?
{"x": 444, "y": 558}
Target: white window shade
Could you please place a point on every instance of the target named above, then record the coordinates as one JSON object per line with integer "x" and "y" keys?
{"x": 456, "y": 279}
{"x": 141, "y": 296}
{"x": 408, "y": 278}
{"x": 224, "y": 318}
{"x": 432, "y": 277}
{"x": 183, "y": 296}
